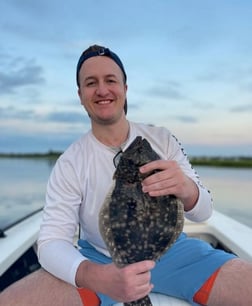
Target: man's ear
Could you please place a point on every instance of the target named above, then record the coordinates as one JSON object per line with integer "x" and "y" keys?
{"x": 79, "y": 94}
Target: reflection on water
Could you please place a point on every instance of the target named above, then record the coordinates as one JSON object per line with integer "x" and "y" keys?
{"x": 231, "y": 190}
{"x": 23, "y": 185}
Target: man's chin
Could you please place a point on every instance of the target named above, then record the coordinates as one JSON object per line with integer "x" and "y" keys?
{"x": 106, "y": 119}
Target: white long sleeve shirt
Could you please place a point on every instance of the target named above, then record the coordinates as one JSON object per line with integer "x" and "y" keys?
{"x": 76, "y": 190}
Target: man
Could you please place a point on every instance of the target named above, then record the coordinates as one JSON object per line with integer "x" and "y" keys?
{"x": 191, "y": 269}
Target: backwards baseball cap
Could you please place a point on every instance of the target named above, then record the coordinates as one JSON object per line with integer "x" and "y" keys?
{"x": 100, "y": 51}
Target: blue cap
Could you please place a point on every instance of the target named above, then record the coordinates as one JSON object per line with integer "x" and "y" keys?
{"x": 101, "y": 52}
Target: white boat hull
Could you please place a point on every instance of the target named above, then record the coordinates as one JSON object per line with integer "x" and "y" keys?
{"x": 219, "y": 230}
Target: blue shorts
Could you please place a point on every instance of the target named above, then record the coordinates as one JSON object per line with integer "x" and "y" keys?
{"x": 180, "y": 272}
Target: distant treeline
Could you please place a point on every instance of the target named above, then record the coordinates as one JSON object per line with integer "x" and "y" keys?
{"x": 236, "y": 162}
{"x": 49, "y": 155}
{"x": 217, "y": 161}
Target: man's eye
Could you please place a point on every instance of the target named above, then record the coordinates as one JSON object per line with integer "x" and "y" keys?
{"x": 91, "y": 83}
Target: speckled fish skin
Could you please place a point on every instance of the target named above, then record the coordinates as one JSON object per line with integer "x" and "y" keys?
{"x": 134, "y": 225}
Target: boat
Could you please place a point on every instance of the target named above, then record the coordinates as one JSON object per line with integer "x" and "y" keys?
{"x": 18, "y": 247}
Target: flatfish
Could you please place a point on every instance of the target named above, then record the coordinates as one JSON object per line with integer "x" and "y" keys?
{"x": 134, "y": 225}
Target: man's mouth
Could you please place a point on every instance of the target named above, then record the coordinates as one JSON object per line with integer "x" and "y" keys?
{"x": 104, "y": 102}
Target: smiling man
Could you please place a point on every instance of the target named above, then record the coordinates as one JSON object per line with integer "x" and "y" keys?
{"x": 102, "y": 94}
{"x": 79, "y": 183}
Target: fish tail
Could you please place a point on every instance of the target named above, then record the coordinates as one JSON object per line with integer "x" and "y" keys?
{"x": 145, "y": 301}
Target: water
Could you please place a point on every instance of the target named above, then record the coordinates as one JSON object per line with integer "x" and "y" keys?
{"x": 23, "y": 185}
{"x": 231, "y": 190}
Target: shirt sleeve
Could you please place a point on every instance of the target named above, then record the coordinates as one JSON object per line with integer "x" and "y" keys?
{"x": 204, "y": 207}
{"x": 56, "y": 251}
{"x": 61, "y": 259}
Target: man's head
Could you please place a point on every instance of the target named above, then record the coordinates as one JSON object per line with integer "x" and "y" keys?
{"x": 96, "y": 50}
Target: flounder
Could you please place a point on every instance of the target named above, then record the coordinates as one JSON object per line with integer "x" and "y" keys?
{"x": 134, "y": 225}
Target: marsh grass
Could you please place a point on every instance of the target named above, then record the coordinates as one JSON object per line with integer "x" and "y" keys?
{"x": 217, "y": 161}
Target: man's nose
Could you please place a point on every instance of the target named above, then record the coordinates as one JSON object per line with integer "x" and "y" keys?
{"x": 102, "y": 89}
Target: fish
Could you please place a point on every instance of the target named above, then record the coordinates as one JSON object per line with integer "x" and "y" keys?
{"x": 134, "y": 225}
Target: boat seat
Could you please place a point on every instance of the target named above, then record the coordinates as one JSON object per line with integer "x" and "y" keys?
{"x": 163, "y": 300}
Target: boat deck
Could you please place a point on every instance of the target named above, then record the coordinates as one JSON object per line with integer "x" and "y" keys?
{"x": 220, "y": 231}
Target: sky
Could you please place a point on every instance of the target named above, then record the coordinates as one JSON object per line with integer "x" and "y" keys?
{"x": 188, "y": 63}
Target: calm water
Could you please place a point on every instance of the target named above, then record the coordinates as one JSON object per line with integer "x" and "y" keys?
{"x": 22, "y": 187}
{"x": 23, "y": 184}
{"x": 231, "y": 190}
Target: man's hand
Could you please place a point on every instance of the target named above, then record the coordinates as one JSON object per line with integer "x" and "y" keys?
{"x": 121, "y": 284}
{"x": 170, "y": 180}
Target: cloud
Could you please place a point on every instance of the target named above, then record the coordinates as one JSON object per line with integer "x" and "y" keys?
{"x": 219, "y": 149}
{"x": 29, "y": 7}
{"x": 167, "y": 90}
{"x": 19, "y": 73}
{"x": 187, "y": 119}
{"x": 225, "y": 72}
{"x": 29, "y": 19}
{"x": 52, "y": 116}
{"x": 31, "y": 131}
{"x": 11, "y": 112}
{"x": 194, "y": 38}
{"x": 203, "y": 105}
{"x": 11, "y": 141}
{"x": 242, "y": 108}
{"x": 67, "y": 117}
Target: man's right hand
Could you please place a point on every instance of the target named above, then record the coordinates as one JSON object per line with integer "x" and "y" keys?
{"x": 121, "y": 284}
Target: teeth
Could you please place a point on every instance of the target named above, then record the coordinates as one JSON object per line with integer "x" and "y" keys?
{"x": 104, "y": 102}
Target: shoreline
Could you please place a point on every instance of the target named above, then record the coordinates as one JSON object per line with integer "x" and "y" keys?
{"x": 215, "y": 161}
{"x": 229, "y": 162}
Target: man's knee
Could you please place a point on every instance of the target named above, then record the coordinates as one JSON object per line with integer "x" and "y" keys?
{"x": 40, "y": 288}
{"x": 232, "y": 284}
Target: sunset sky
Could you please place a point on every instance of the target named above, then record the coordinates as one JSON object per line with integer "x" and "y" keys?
{"x": 189, "y": 68}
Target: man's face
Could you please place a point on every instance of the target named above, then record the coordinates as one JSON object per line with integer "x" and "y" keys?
{"x": 102, "y": 90}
